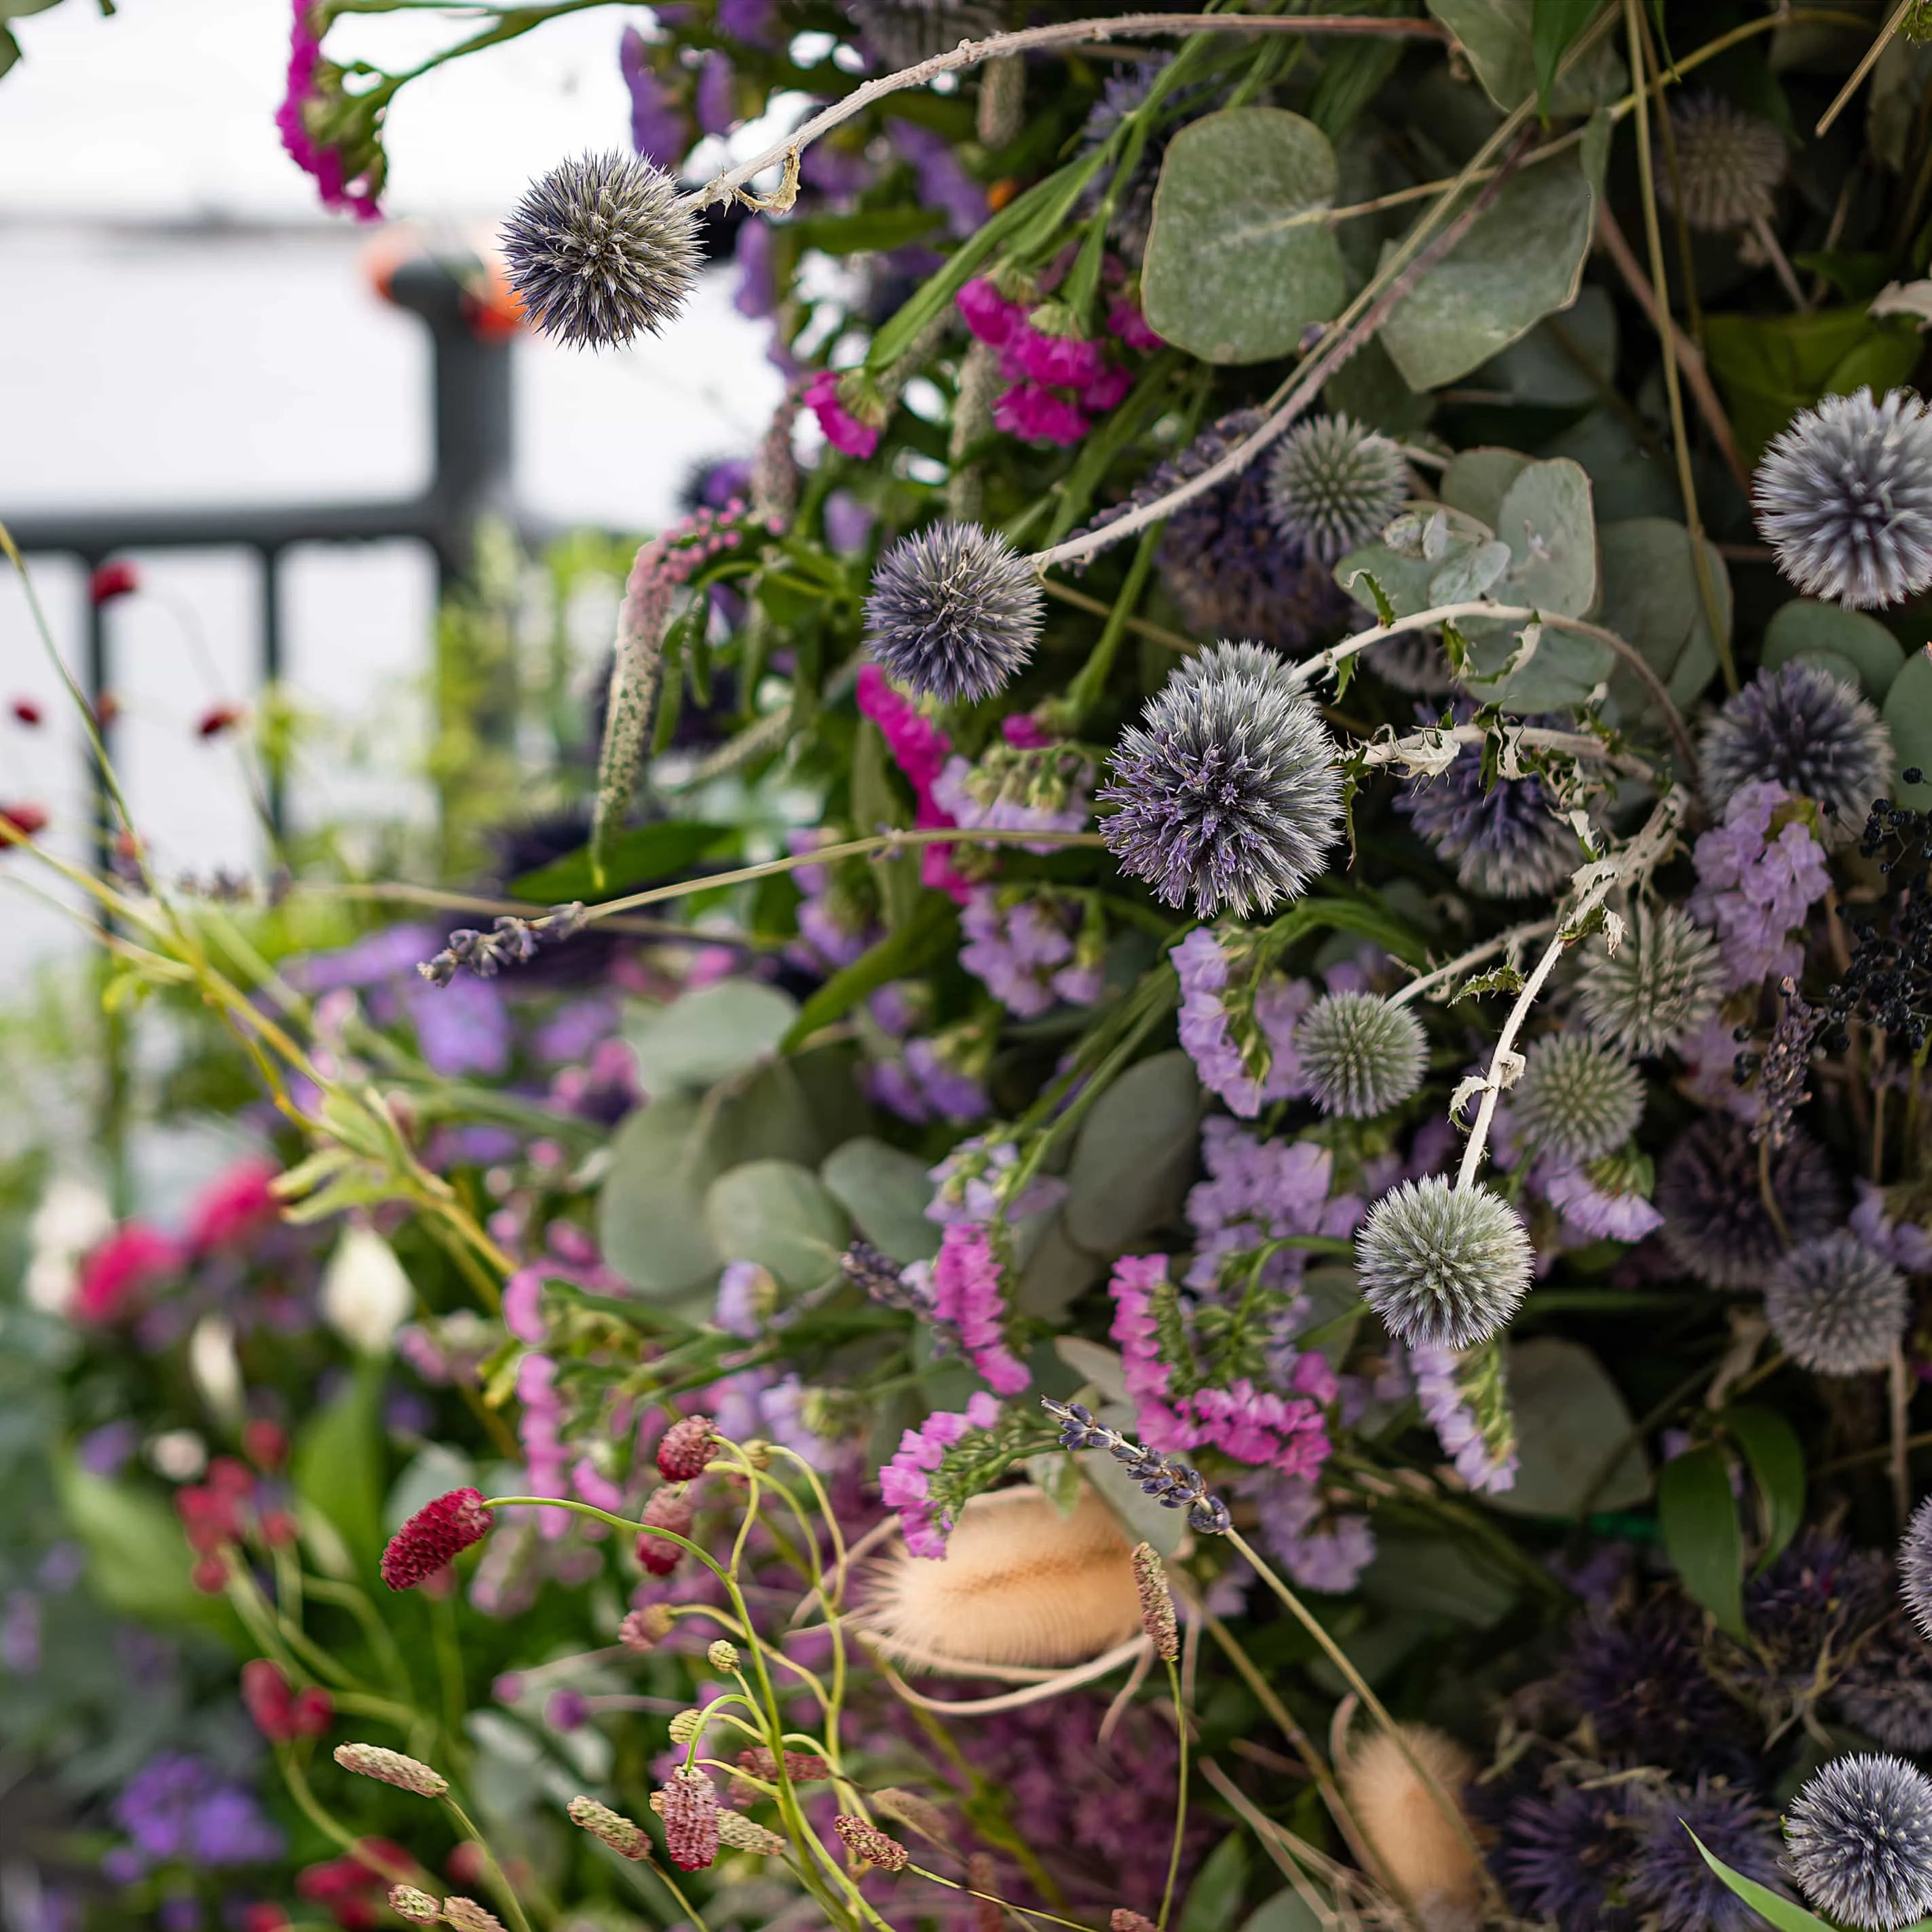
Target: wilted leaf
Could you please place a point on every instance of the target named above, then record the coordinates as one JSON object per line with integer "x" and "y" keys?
{"x": 1232, "y": 274}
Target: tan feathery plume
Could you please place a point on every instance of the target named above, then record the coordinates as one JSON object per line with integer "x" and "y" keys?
{"x": 1020, "y": 1585}
{"x": 1424, "y": 1856}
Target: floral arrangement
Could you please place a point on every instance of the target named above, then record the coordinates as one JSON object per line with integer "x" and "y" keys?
{"x": 1198, "y": 1193}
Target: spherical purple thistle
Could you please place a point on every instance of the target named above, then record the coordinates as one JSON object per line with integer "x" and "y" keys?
{"x": 1638, "y": 1675}
{"x": 1576, "y": 1099}
{"x": 902, "y": 33}
{"x": 1668, "y": 1879}
{"x": 1728, "y": 164}
{"x": 954, "y": 612}
{"x": 1837, "y": 1307}
{"x": 1915, "y": 1568}
{"x": 1709, "y": 1193}
{"x": 1334, "y": 484}
{"x": 1505, "y": 842}
{"x": 1229, "y": 791}
{"x": 1799, "y": 726}
{"x": 1662, "y": 983}
{"x": 1844, "y": 497}
{"x": 600, "y": 248}
{"x": 1886, "y": 1689}
{"x": 1444, "y": 1267}
{"x": 1859, "y": 1840}
{"x": 1361, "y": 1055}
{"x": 1561, "y": 1859}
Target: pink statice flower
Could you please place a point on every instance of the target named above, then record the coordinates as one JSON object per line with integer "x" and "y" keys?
{"x": 301, "y": 101}
{"x": 905, "y": 1482}
{"x": 842, "y": 429}
{"x": 1124, "y": 319}
{"x": 1038, "y": 415}
{"x": 920, "y": 749}
{"x": 966, "y": 1295}
{"x": 116, "y": 1277}
{"x": 239, "y": 1202}
{"x": 992, "y": 318}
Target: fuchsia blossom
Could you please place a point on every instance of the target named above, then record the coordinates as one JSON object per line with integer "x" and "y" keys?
{"x": 920, "y": 749}
{"x": 1124, "y": 318}
{"x": 291, "y": 120}
{"x": 904, "y": 1483}
{"x": 990, "y": 317}
{"x": 842, "y": 429}
{"x": 966, "y": 1293}
{"x": 539, "y": 1428}
{"x": 1038, "y": 415}
{"x": 1056, "y": 383}
{"x": 239, "y": 1201}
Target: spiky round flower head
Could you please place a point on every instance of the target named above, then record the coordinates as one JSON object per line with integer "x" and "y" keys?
{"x": 600, "y": 249}
{"x": 1577, "y": 1100}
{"x": 466, "y": 1916}
{"x": 1886, "y": 1689}
{"x": 1799, "y": 726}
{"x": 624, "y": 1836}
{"x": 415, "y": 1906}
{"x": 1837, "y": 1307}
{"x": 1662, "y": 983}
{"x": 1728, "y": 164}
{"x": 1359, "y": 1055}
{"x": 1915, "y": 1568}
{"x": 1444, "y": 1267}
{"x": 1333, "y": 485}
{"x": 438, "y": 1532}
{"x": 388, "y": 1767}
{"x": 954, "y": 612}
{"x": 1709, "y": 1191}
{"x": 902, "y": 33}
{"x": 685, "y": 1449}
{"x": 1669, "y": 1881}
{"x": 1228, "y": 791}
{"x": 868, "y": 1842}
{"x": 1844, "y": 497}
{"x": 1505, "y": 842}
{"x": 688, "y": 1803}
{"x": 1858, "y": 1840}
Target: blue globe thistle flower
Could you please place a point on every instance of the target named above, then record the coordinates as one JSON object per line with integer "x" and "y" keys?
{"x": 1886, "y": 1689}
{"x": 954, "y": 612}
{"x": 1564, "y": 1858}
{"x": 1229, "y": 792}
{"x": 1662, "y": 983}
{"x": 1360, "y": 1055}
{"x": 1836, "y": 1307}
{"x": 1799, "y": 726}
{"x": 1844, "y": 497}
{"x": 1444, "y": 1267}
{"x": 1813, "y": 1608}
{"x": 1859, "y": 1840}
{"x": 1715, "y": 1223}
{"x": 1575, "y": 1099}
{"x": 1915, "y": 1568}
{"x": 1506, "y": 842}
{"x": 601, "y": 250}
{"x": 902, "y": 33}
{"x": 1334, "y": 484}
{"x": 1668, "y": 1879}
{"x": 1728, "y": 164}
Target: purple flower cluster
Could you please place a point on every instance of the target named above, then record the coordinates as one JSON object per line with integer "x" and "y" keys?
{"x": 904, "y": 1483}
{"x": 1225, "y": 1046}
{"x": 1318, "y": 1550}
{"x": 1905, "y": 1244}
{"x": 931, "y": 1077}
{"x": 972, "y": 1182}
{"x": 1027, "y": 783}
{"x": 1026, "y": 950}
{"x": 833, "y": 930}
{"x": 1259, "y": 1191}
{"x": 180, "y": 1809}
{"x": 1754, "y": 889}
{"x": 1438, "y": 1388}
{"x": 1593, "y": 1210}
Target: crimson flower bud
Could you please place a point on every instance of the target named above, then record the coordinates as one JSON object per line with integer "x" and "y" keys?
{"x": 685, "y": 1449}
{"x": 437, "y": 1533}
{"x": 110, "y": 580}
{"x": 667, "y": 1509}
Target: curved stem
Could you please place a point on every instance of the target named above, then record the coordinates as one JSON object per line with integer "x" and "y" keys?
{"x": 500, "y": 1884}
{"x": 1463, "y": 961}
{"x": 1179, "y": 1795}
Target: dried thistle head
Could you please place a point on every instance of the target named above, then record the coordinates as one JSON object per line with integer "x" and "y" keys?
{"x": 1022, "y": 1585}
{"x": 1427, "y": 1860}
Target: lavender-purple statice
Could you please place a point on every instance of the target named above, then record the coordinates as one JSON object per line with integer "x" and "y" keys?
{"x": 1259, "y": 1191}
{"x": 1755, "y": 890}
{"x": 1226, "y": 1049}
{"x": 974, "y": 1183}
{"x": 179, "y": 1809}
{"x": 1025, "y": 950}
{"x": 1488, "y": 1466}
{"x": 1319, "y": 1550}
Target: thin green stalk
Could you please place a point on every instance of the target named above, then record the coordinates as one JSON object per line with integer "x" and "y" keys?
{"x": 1180, "y": 1792}
{"x": 993, "y": 1898}
{"x": 1084, "y": 693}
{"x": 500, "y": 1883}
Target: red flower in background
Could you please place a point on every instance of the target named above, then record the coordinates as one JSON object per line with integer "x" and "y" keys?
{"x": 110, "y": 580}
{"x": 281, "y": 1713}
{"x": 235, "y": 1203}
{"x": 114, "y": 1276}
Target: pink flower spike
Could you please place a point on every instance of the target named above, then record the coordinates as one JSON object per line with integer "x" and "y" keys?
{"x": 1107, "y": 390}
{"x": 1125, "y": 319}
{"x": 842, "y": 430}
{"x": 1038, "y": 415}
{"x": 1061, "y": 361}
{"x": 988, "y": 313}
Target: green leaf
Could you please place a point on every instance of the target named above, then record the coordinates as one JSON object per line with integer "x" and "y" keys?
{"x": 1553, "y": 28}
{"x": 1236, "y": 269}
{"x": 1777, "y": 1461}
{"x": 1477, "y": 481}
{"x": 1521, "y": 260}
{"x": 885, "y": 1190}
{"x": 336, "y": 1464}
{"x": 1135, "y": 1154}
{"x": 1567, "y": 361}
{"x": 1505, "y": 40}
{"x": 779, "y": 1214}
{"x": 1908, "y": 717}
{"x": 1650, "y": 599}
{"x": 706, "y": 1036}
{"x": 1437, "y": 1576}
{"x": 1571, "y": 1422}
{"x": 650, "y": 852}
{"x": 1803, "y": 628}
{"x": 650, "y": 1210}
{"x": 1771, "y": 367}
{"x": 138, "y": 1559}
{"x": 931, "y": 934}
{"x": 1286, "y": 1912}
{"x": 870, "y": 230}
{"x": 1780, "y": 1912}
{"x": 1214, "y": 1899}
{"x": 1699, "y": 1518}
{"x": 1055, "y": 1272}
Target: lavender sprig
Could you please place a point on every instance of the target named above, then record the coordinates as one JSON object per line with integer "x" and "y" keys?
{"x": 1172, "y": 1484}
{"x": 511, "y": 941}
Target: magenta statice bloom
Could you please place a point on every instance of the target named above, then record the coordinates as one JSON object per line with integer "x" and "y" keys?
{"x": 1208, "y": 1035}
{"x": 1755, "y": 891}
{"x": 1038, "y": 415}
{"x": 904, "y": 1483}
{"x": 292, "y": 121}
{"x": 1322, "y": 1552}
{"x": 1440, "y": 1392}
{"x": 1124, "y": 318}
{"x": 539, "y": 1429}
{"x": 1022, "y": 729}
{"x": 988, "y": 313}
{"x": 1259, "y": 1191}
{"x": 1059, "y": 361}
{"x": 966, "y": 1293}
{"x": 1107, "y": 390}
{"x": 1594, "y": 1212}
{"x": 920, "y": 749}
{"x": 842, "y": 429}
{"x": 659, "y": 131}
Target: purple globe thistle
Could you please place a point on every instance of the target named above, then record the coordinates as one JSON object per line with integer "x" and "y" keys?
{"x": 1709, "y": 1192}
{"x": 1668, "y": 1879}
{"x": 1361, "y": 1055}
{"x": 1638, "y": 1675}
{"x": 954, "y": 612}
{"x": 1563, "y": 1859}
{"x": 1915, "y": 1568}
{"x": 1728, "y": 164}
{"x": 1799, "y": 726}
{"x": 1444, "y": 1267}
{"x": 1837, "y": 1307}
{"x": 1661, "y": 984}
{"x": 1809, "y": 1611}
{"x": 1229, "y": 792}
{"x": 1859, "y": 1840}
{"x": 1576, "y": 1100}
{"x": 1844, "y": 497}
{"x": 1334, "y": 484}
{"x": 1505, "y": 842}
{"x": 601, "y": 249}
{"x": 1886, "y": 1689}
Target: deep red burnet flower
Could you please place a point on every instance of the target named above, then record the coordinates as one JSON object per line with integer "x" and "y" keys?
{"x": 685, "y": 1449}
{"x": 688, "y": 1803}
{"x": 210, "y": 1516}
{"x": 282, "y": 1713}
{"x": 266, "y": 1443}
{"x": 670, "y": 1509}
{"x": 209, "y": 1575}
{"x": 110, "y": 580}
{"x": 219, "y": 719}
{"x": 114, "y": 1277}
{"x": 353, "y": 1887}
{"x": 21, "y": 821}
{"x": 437, "y": 1533}
{"x": 25, "y": 712}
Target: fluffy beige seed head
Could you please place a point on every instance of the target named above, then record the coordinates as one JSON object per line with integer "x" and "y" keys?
{"x": 1424, "y": 1856}
{"x": 390, "y": 1767}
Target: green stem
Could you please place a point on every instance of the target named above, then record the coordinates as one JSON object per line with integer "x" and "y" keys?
{"x": 993, "y": 1898}
{"x": 500, "y": 1883}
{"x": 1180, "y": 1794}
{"x": 1084, "y": 693}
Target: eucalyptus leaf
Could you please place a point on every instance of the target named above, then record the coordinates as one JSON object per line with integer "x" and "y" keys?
{"x": 702, "y": 1036}
{"x": 1565, "y": 362}
{"x": 1908, "y": 717}
{"x": 1513, "y": 59}
{"x": 1573, "y": 1425}
{"x": 1238, "y": 262}
{"x": 885, "y": 1190}
{"x": 1286, "y": 1912}
{"x": 780, "y": 1215}
{"x": 650, "y": 1210}
{"x": 1437, "y": 1576}
{"x": 1805, "y": 629}
{"x": 1093, "y": 1363}
{"x": 1476, "y": 480}
{"x": 1651, "y": 600}
{"x": 1135, "y": 1154}
{"x": 1058, "y": 1271}
{"x": 1521, "y": 260}
{"x": 1547, "y": 520}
